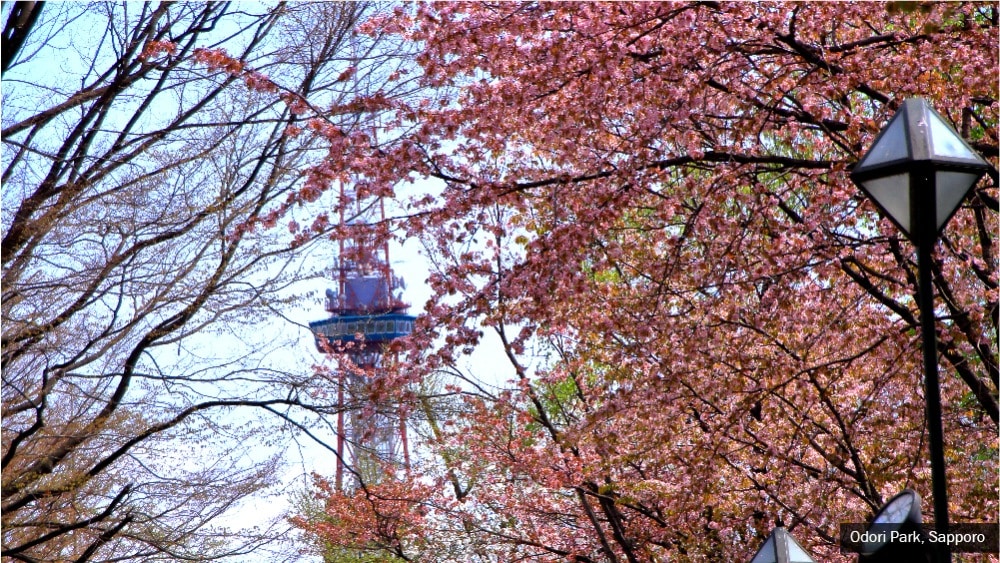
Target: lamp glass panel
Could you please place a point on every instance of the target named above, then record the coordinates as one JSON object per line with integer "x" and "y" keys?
{"x": 945, "y": 142}
{"x": 890, "y": 146}
{"x": 766, "y": 553}
{"x": 893, "y": 194}
{"x": 796, "y": 554}
{"x": 896, "y": 511}
{"x": 951, "y": 190}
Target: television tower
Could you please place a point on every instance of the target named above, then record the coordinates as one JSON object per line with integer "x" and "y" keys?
{"x": 367, "y": 313}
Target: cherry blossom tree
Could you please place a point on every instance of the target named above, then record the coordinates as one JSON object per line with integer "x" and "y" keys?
{"x": 707, "y": 327}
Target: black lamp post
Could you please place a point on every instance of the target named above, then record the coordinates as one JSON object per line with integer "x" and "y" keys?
{"x": 781, "y": 547}
{"x": 918, "y": 171}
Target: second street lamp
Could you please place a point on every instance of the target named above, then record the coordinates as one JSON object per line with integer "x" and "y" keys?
{"x": 900, "y": 516}
{"x": 781, "y": 547}
{"x": 918, "y": 172}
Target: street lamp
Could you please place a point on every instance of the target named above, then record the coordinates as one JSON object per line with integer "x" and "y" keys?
{"x": 918, "y": 171}
{"x": 781, "y": 547}
{"x": 898, "y": 518}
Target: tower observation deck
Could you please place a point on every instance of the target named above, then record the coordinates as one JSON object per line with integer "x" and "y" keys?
{"x": 366, "y": 313}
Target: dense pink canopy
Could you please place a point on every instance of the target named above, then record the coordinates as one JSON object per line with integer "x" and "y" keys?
{"x": 708, "y": 327}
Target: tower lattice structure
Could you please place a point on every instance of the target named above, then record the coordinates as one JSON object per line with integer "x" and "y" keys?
{"x": 367, "y": 312}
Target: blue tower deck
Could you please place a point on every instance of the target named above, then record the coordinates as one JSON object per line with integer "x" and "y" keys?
{"x": 374, "y": 328}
